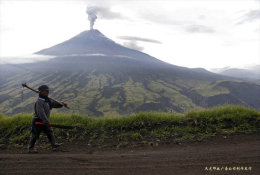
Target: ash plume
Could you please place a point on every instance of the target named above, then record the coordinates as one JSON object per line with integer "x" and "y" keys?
{"x": 103, "y": 12}
{"x": 91, "y": 11}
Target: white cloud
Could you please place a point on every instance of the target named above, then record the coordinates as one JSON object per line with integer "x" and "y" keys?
{"x": 192, "y": 33}
{"x": 199, "y": 29}
{"x": 250, "y": 16}
{"x": 30, "y": 58}
{"x": 134, "y": 38}
{"x": 133, "y": 45}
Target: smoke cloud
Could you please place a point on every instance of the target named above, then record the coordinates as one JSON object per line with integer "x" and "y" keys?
{"x": 91, "y": 11}
{"x": 103, "y": 12}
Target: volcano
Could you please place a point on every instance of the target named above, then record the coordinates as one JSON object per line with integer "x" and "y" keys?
{"x": 89, "y": 42}
{"x": 94, "y": 43}
{"x": 97, "y": 77}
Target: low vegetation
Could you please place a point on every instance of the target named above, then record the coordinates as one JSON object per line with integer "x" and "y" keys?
{"x": 147, "y": 128}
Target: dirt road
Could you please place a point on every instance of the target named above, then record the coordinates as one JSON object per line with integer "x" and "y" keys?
{"x": 240, "y": 151}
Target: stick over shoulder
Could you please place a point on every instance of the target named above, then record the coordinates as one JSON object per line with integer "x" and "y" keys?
{"x": 26, "y": 86}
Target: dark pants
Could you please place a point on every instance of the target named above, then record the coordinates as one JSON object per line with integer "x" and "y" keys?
{"x": 36, "y": 131}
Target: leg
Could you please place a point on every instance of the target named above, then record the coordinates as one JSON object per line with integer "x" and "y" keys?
{"x": 36, "y": 131}
{"x": 49, "y": 132}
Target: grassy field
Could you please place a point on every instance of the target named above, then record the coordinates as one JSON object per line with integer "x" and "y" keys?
{"x": 147, "y": 128}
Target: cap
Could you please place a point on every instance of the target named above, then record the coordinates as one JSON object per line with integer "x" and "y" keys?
{"x": 43, "y": 88}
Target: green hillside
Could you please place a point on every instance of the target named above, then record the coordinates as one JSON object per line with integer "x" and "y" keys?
{"x": 108, "y": 94}
{"x": 139, "y": 129}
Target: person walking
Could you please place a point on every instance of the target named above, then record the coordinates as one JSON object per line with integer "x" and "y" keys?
{"x": 42, "y": 110}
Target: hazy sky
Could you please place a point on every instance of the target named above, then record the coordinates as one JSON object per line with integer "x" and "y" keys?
{"x": 190, "y": 33}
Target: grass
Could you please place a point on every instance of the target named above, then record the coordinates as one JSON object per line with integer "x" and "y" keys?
{"x": 212, "y": 89}
{"x": 143, "y": 128}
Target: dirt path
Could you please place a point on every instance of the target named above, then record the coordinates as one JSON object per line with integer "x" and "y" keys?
{"x": 187, "y": 159}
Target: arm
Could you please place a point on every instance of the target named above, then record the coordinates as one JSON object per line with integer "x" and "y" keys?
{"x": 55, "y": 104}
{"x": 39, "y": 109}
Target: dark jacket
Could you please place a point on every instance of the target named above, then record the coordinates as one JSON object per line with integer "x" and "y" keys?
{"x": 42, "y": 109}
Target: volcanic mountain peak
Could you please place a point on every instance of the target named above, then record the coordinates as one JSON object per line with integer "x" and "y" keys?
{"x": 91, "y": 34}
{"x": 87, "y": 42}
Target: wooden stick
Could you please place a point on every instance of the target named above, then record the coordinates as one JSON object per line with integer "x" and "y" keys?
{"x": 56, "y": 126}
{"x": 25, "y": 85}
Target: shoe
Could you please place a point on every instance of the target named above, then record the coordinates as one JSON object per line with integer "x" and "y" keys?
{"x": 32, "y": 150}
{"x": 56, "y": 145}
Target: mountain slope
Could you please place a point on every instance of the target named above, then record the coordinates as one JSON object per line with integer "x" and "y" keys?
{"x": 97, "y": 76}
